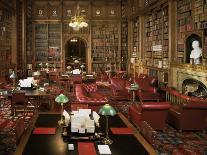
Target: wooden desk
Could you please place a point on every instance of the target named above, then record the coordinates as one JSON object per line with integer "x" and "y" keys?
{"x": 35, "y": 94}
{"x": 54, "y": 145}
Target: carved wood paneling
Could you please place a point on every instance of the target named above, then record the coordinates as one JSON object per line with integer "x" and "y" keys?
{"x": 55, "y": 10}
{"x": 40, "y": 10}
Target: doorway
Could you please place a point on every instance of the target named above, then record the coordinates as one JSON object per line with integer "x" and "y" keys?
{"x": 75, "y": 53}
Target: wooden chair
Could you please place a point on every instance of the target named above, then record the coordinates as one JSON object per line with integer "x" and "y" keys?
{"x": 53, "y": 77}
{"x": 18, "y": 102}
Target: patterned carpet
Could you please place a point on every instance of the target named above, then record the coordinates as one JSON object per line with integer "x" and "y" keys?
{"x": 7, "y": 128}
{"x": 188, "y": 143}
{"x": 169, "y": 142}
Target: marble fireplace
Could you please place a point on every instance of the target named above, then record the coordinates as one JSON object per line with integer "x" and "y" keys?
{"x": 190, "y": 80}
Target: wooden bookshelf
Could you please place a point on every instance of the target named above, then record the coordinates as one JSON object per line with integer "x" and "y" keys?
{"x": 29, "y": 17}
{"x": 105, "y": 41}
{"x": 135, "y": 29}
{"x": 191, "y": 18}
{"x": 156, "y": 43}
{"x": 124, "y": 36}
{"x": 5, "y": 43}
{"x": 48, "y": 45}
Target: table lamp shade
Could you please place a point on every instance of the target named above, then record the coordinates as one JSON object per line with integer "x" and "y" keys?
{"x": 13, "y": 75}
{"x": 107, "y": 110}
{"x": 37, "y": 73}
{"x": 61, "y": 99}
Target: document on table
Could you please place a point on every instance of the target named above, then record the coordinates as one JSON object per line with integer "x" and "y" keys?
{"x": 104, "y": 149}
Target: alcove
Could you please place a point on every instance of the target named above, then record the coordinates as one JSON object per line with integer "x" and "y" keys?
{"x": 188, "y": 45}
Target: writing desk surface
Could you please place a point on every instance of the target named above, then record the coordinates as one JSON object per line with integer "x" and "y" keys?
{"x": 54, "y": 144}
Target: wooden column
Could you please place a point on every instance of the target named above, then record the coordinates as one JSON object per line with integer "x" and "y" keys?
{"x": 172, "y": 37}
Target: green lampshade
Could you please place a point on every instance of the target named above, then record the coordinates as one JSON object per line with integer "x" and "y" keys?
{"x": 107, "y": 110}
{"x": 61, "y": 99}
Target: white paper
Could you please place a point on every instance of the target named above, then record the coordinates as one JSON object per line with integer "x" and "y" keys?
{"x": 26, "y": 82}
{"x": 74, "y": 112}
{"x": 82, "y": 130}
{"x": 104, "y": 149}
{"x": 74, "y": 129}
{"x": 82, "y": 122}
{"x": 70, "y": 146}
{"x": 96, "y": 117}
{"x": 76, "y": 71}
{"x": 90, "y": 129}
{"x": 67, "y": 117}
{"x": 85, "y": 111}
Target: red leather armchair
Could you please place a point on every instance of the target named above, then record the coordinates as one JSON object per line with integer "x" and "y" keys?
{"x": 119, "y": 88}
{"x": 88, "y": 94}
{"x": 187, "y": 113}
{"x": 154, "y": 113}
{"x": 147, "y": 89}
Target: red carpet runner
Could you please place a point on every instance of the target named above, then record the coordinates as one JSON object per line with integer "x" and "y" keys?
{"x": 86, "y": 148}
{"x": 122, "y": 131}
{"x": 45, "y": 131}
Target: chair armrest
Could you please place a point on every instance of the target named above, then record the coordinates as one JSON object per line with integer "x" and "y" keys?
{"x": 194, "y": 105}
{"x": 156, "y": 105}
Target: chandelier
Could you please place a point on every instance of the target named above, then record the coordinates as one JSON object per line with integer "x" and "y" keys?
{"x": 77, "y": 21}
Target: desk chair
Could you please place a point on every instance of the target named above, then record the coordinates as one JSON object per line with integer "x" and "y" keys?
{"x": 19, "y": 102}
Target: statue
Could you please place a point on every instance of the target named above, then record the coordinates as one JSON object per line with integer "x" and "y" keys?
{"x": 196, "y": 53}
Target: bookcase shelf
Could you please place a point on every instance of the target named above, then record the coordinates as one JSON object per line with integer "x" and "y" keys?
{"x": 191, "y": 17}
{"x": 136, "y": 36}
{"x": 156, "y": 42}
{"x": 124, "y": 36}
{"x": 5, "y": 44}
{"x": 105, "y": 41}
{"x": 48, "y": 44}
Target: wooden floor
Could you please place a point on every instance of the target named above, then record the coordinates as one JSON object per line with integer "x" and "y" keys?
{"x": 28, "y": 132}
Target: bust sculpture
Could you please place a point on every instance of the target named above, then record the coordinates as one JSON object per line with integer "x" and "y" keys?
{"x": 196, "y": 53}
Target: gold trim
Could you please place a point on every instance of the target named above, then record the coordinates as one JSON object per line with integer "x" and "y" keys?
{"x": 189, "y": 67}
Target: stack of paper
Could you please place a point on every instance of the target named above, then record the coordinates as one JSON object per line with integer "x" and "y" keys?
{"x": 81, "y": 122}
{"x": 104, "y": 149}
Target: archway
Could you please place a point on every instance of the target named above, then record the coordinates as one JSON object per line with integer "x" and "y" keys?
{"x": 75, "y": 53}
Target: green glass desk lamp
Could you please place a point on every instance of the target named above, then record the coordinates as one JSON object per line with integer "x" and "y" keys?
{"x": 107, "y": 111}
{"x": 61, "y": 99}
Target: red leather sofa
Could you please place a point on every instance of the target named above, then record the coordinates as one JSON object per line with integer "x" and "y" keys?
{"x": 119, "y": 88}
{"x": 154, "y": 113}
{"x": 147, "y": 88}
{"x": 88, "y": 94}
{"x": 186, "y": 113}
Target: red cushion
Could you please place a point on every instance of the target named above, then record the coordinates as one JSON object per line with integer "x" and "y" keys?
{"x": 90, "y": 87}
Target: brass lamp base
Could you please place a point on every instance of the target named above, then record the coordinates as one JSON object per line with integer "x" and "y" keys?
{"x": 107, "y": 141}
{"x": 61, "y": 122}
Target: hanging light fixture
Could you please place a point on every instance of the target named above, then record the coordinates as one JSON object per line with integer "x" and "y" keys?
{"x": 77, "y": 21}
